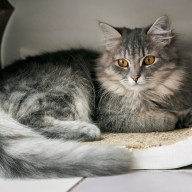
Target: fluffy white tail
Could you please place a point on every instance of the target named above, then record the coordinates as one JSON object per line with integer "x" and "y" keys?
{"x": 24, "y": 153}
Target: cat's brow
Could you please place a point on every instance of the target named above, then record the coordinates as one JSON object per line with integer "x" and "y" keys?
{"x": 135, "y": 43}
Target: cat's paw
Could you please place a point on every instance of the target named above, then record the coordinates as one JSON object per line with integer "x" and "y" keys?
{"x": 169, "y": 122}
{"x": 89, "y": 132}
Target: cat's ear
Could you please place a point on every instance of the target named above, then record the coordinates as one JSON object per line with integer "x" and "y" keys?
{"x": 111, "y": 36}
{"x": 160, "y": 31}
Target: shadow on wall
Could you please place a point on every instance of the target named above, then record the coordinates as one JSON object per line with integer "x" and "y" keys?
{"x": 5, "y": 12}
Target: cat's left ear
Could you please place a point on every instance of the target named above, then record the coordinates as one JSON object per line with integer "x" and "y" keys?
{"x": 160, "y": 32}
{"x": 111, "y": 36}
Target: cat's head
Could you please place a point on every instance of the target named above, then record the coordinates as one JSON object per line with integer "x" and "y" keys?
{"x": 137, "y": 59}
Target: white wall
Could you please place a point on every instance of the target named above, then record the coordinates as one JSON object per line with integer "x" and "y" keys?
{"x": 55, "y": 24}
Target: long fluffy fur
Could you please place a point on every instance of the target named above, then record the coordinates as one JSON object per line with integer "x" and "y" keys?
{"x": 24, "y": 153}
{"x": 161, "y": 98}
{"x": 46, "y": 100}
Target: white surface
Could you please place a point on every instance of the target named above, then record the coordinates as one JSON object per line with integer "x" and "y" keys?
{"x": 164, "y": 157}
{"x": 139, "y": 182}
{"x": 46, "y": 24}
{"x": 46, "y": 185}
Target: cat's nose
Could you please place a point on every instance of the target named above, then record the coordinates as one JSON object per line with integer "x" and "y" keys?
{"x": 135, "y": 78}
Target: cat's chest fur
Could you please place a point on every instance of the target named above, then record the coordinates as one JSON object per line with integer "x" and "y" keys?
{"x": 134, "y": 101}
{"x": 140, "y": 101}
{"x": 127, "y": 104}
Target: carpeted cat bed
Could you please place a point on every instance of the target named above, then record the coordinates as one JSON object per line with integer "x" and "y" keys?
{"x": 156, "y": 150}
{"x": 145, "y": 140}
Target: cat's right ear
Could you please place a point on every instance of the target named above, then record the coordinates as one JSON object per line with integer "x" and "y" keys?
{"x": 160, "y": 32}
{"x": 111, "y": 36}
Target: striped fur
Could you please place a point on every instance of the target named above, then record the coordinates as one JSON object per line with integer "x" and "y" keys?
{"x": 46, "y": 100}
{"x": 161, "y": 99}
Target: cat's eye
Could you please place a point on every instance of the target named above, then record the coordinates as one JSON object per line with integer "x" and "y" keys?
{"x": 149, "y": 60}
{"x": 123, "y": 62}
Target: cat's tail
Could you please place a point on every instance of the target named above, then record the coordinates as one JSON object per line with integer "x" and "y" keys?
{"x": 24, "y": 153}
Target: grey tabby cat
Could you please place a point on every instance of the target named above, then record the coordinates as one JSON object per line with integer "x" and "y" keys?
{"x": 145, "y": 80}
{"x": 44, "y": 101}
{"x": 49, "y": 99}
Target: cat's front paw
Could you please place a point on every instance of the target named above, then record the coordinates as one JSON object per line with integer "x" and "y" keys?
{"x": 169, "y": 122}
{"x": 89, "y": 132}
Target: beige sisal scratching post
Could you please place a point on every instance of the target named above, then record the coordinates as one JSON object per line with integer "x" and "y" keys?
{"x": 156, "y": 150}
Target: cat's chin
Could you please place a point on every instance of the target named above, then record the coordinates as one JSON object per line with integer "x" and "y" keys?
{"x": 136, "y": 87}
{"x": 133, "y": 86}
